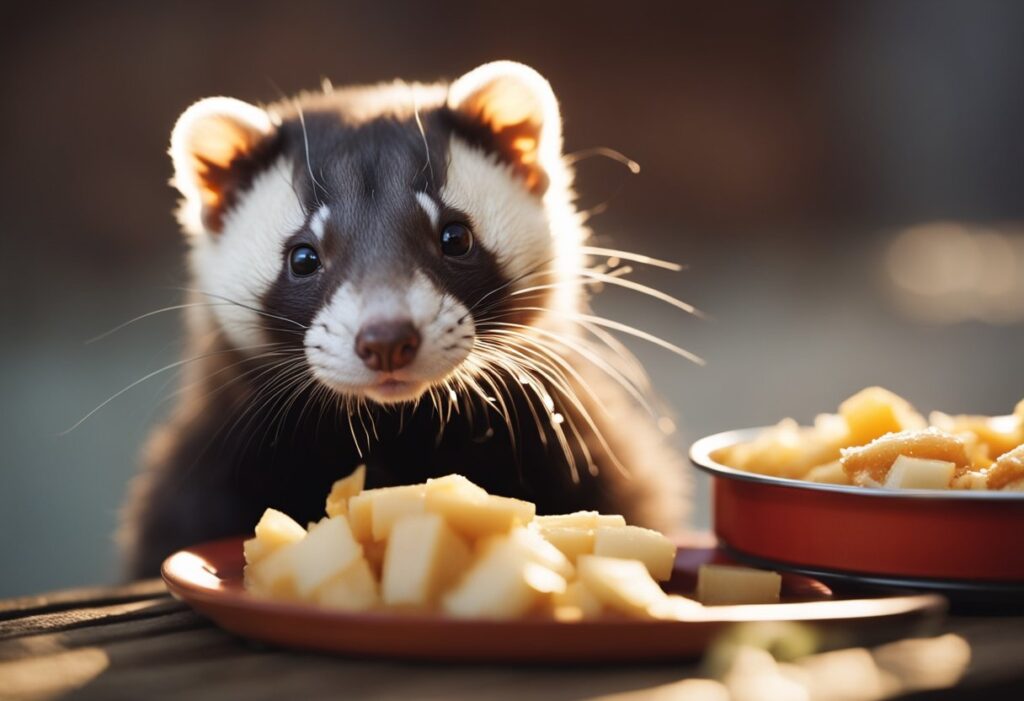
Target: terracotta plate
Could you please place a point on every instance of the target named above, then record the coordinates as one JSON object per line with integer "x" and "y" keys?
{"x": 954, "y": 541}
{"x": 209, "y": 578}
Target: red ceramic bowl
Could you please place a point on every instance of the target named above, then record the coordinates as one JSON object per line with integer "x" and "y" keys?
{"x": 962, "y": 542}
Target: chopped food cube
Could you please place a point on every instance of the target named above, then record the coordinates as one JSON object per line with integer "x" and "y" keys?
{"x": 542, "y": 552}
{"x": 572, "y": 541}
{"x": 622, "y": 585}
{"x": 343, "y": 490}
{"x": 476, "y": 516}
{"x": 274, "y": 530}
{"x": 352, "y": 589}
{"x": 326, "y": 550}
{"x": 455, "y": 484}
{"x": 829, "y": 473}
{"x": 577, "y": 596}
{"x": 423, "y": 557}
{"x": 274, "y": 575}
{"x": 505, "y": 582}
{"x": 653, "y": 549}
{"x": 874, "y": 412}
{"x": 360, "y": 516}
{"x": 391, "y": 504}
{"x": 728, "y": 584}
{"x": 919, "y": 473}
{"x": 873, "y": 460}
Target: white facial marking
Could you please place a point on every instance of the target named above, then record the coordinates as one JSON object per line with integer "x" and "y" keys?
{"x": 244, "y": 260}
{"x": 510, "y": 222}
{"x": 444, "y": 324}
{"x": 430, "y": 207}
{"x": 316, "y": 223}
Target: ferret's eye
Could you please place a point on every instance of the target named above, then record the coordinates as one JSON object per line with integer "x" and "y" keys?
{"x": 456, "y": 240}
{"x": 303, "y": 260}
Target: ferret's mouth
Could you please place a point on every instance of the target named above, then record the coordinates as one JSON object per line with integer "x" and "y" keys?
{"x": 390, "y": 389}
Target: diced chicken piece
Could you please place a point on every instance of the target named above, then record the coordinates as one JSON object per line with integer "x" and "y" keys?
{"x": 874, "y": 412}
{"x": 872, "y": 461}
{"x": 999, "y": 434}
{"x": 1007, "y": 470}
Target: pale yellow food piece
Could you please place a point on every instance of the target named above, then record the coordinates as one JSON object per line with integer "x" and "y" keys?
{"x": 977, "y": 452}
{"x": 274, "y": 575}
{"x": 829, "y": 473}
{"x": 650, "y": 547}
{"x": 919, "y": 473}
{"x": 1000, "y": 434}
{"x": 621, "y": 585}
{"x": 542, "y": 552}
{"x": 580, "y": 519}
{"x": 785, "y": 450}
{"x": 360, "y": 516}
{"x": 874, "y": 412}
{"x": 478, "y": 516}
{"x": 455, "y": 484}
{"x": 352, "y": 589}
{"x": 577, "y": 596}
{"x": 423, "y": 557}
{"x": 343, "y": 490}
{"x": 504, "y": 583}
{"x": 327, "y": 549}
{"x": 719, "y": 585}
{"x": 572, "y": 541}
{"x": 1007, "y": 470}
{"x": 393, "y": 503}
{"x": 675, "y": 608}
{"x": 972, "y": 480}
{"x": 872, "y": 461}
{"x": 273, "y": 531}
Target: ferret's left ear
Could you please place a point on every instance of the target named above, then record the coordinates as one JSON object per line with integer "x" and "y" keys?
{"x": 516, "y": 104}
{"x": 213, "y": 146}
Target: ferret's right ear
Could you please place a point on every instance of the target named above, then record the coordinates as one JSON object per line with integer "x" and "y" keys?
{"x": 213, "y": 146}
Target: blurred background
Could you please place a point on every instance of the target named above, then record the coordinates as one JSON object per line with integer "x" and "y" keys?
{"x": 845, "y": 182}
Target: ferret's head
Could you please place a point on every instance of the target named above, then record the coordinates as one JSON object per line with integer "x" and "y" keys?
{"x": 375, "y": 229}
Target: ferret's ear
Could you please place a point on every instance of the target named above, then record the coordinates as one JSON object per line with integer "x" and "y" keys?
{"x": 519, "y": 110}
{"x": 213, "y": 147}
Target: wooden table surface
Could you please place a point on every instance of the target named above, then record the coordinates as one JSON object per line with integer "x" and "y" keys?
{"x": 136, "y": 642}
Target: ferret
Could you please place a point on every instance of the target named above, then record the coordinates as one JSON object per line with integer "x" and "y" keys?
{"x": 393, "y": 276}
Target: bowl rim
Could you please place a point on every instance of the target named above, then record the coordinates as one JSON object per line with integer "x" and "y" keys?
{"x": 701, "y": 456}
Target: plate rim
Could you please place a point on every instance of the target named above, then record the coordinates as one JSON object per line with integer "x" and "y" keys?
{"x": 189, "y": 590}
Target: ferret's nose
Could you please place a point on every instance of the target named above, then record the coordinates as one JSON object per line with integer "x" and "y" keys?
{"x": 387, "y": 345}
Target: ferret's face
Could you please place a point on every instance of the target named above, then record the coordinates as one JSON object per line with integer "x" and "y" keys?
{"x": 374, "y": 228}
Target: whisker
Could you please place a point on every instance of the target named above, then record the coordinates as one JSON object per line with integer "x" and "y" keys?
{"x": 618, "y": 281}
{"x": 136, "y": 383}
{"x": 635, "y": 257}
{"x": 140, "y": 317}
{"x": 243, "y": 306}
{"x": 616, "y": 326}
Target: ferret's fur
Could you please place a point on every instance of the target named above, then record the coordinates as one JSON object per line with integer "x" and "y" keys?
{"x": 508, "y": 387}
